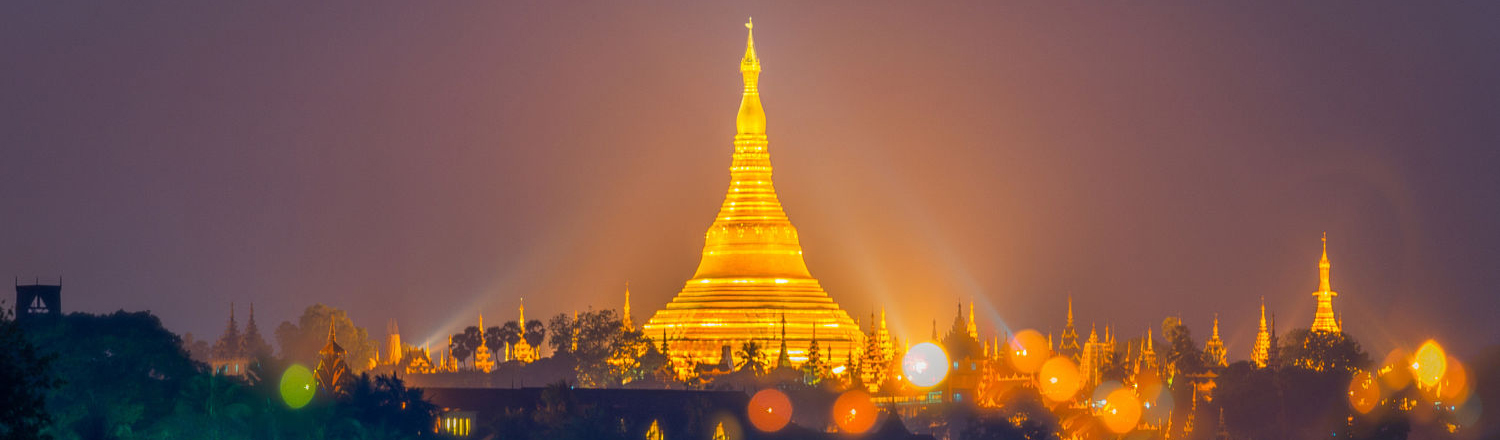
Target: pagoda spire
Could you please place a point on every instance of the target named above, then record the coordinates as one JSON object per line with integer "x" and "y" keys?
{"x": 1324, "y": 319}
{"x": 783, "y": 359}
{"x": 1213, "y": 350}
{"x": 625, "y": 312}
{"x": 972, "y": 327}
{"x": 752, "y": 118}
{"x": 1260, "y": 353}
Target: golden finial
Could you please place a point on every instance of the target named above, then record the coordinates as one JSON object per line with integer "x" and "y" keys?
{"x": 752, "y": 118}
{"x": 751, "y": 63}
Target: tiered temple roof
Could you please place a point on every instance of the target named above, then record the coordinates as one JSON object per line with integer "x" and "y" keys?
{"x": 752, "y": 272}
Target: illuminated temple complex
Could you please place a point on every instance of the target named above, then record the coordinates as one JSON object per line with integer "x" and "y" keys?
{"x": 752, "y": 275}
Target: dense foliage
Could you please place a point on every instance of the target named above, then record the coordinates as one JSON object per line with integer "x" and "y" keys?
{"x": 25, "y": 378}
{"x": 124, "y": 376}
{"x": 300, "y": 342}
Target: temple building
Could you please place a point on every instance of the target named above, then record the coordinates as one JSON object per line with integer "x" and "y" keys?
{"x": 1070, "y": 337}
{"x": 522, "y": 351}
{"x": 1069, "y": 345}
{"x": 1213, "y": 350}
{"x": 393, "y": 346}
{"x": 332, "y": 372}
{"x": 482, "y": 358}
{"x": 234, "y": 351}
{"x": 1260, "y": 354}
{"x": 752, "y": 272}
{"x": 1324, "y": 319}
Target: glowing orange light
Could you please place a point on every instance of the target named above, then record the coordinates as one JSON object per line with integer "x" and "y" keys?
{"x": 1364, "y": 392}
{"x": 1455, "y": 383}
{"x": 770, "y": 410}
{"x": 751, "y": 274}
{"x": 1395, "y": 370}
{"x": 1429, "y": 364}
{"x": 1121, "y": 411}
{"x": 1028, "y": 350}
{"x": 1058, "y": 379}
{"x": 853, "y": 412}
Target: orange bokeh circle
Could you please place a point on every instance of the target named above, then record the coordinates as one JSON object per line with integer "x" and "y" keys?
{"x": 1058, "y": 379}
{"x": 853, "y": 412}
{"x": 1364, "y": 392}
{"x": 1028, "y": 350}
{"x": 770, "y": 410}
{"x": 1121, "y": 411}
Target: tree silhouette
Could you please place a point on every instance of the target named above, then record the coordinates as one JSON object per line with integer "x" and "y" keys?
{"x": 26, "y": 378}
{"x": 300, "y": 342}
{"x": 465, "y": 342}
{"x": 754, "y": 358}
{"x": 1322, "y": 351}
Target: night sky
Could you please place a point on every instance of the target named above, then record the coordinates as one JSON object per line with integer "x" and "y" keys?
{"x": 429, "y": 162}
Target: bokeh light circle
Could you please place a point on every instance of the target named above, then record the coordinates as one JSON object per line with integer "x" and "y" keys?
{"x": 1058, "y": 379}
{"x": 925, "y": 364}
{"x": 297, "y": 386}
{"x": 853, "y": 412}
{"x": 1429, "y": 363}
{"x": 770, "y": 410}
{"x": 1028, "y": 350}
{"x": 1455, "y": 389}
{"x": 1364, "y": 392}
{"x": 1395, "y": 371}
{"x": 1121, "y": 411}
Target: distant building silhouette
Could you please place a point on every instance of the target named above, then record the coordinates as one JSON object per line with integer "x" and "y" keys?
{"x": 38, "y": 301}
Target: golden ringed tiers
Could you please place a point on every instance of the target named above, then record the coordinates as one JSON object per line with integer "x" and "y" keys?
{"x": 751, "y": 274}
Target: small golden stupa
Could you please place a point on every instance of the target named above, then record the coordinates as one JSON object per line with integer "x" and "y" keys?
{"x": 752, "y": 273}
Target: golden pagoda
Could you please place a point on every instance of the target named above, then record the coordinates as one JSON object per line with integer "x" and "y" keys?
{"x": 482, "y": 360}
{"x": 1323, "y": 319}
{"x": 625, "y": 312}
{"x": 1213, "y": 350}
{"x": 523, "y": 351}
{"x": 1260, "y": 354}
{"x": 752, "y": 272}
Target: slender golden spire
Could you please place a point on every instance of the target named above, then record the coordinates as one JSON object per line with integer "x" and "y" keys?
{"x": 1324, "y": 318}
{"x": 1070, "y": 310}
{"x": 973, "y": 328}
{"x": 1323, "y": 267}
{"x": 625, "y": 313}
{"x": 1260, "y": 353}
{"x": 752, "y": 118}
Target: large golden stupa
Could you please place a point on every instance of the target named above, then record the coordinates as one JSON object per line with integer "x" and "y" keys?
{"x": 752, "y": 278}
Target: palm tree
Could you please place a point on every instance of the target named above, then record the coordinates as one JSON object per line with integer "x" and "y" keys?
{"x": 754, "y": 359}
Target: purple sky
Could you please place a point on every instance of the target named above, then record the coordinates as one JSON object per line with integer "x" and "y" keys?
{"x": 431, "y": 162}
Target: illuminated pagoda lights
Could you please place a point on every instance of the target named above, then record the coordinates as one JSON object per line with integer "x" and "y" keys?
{"x": 482, "y": 359}
{"x": 1069, "y": 345}
{"x": 878, "y": 361}
{"x": 625, "y": 320}
{"x": 1260, "y": 354}
{"x": 1324, "y": 319}
{"x": 752, "y": 272}
{"x": 1213, "y": 350}
{"x": 522, "y": 350}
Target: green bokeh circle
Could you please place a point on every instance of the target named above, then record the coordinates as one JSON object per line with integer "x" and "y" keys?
{"x": 297, "y": 386}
